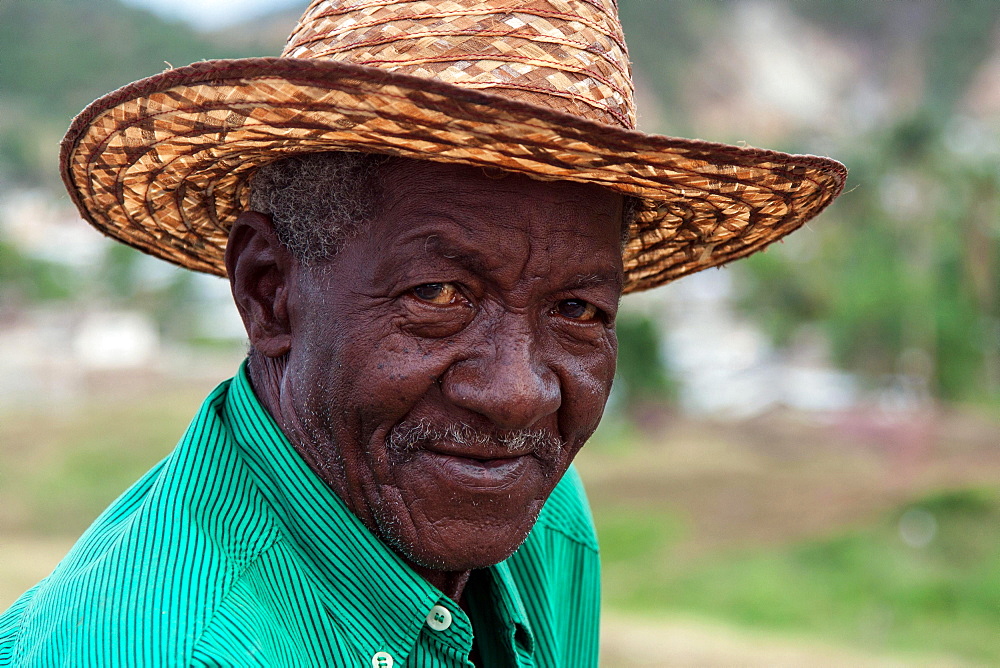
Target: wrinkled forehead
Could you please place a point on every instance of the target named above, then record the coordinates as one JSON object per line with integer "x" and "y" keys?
{"x": 413, "y": 189}
{"x": 505, "y": 226}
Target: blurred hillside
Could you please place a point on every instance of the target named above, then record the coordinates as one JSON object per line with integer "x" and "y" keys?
{"x": 892, "y": 293}
{"x": 58, "y": 55}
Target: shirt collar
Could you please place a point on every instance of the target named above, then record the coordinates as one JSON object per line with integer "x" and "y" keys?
{"x": 393, "y": 601}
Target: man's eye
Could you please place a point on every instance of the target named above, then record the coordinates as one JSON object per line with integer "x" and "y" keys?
{"x": 440, "y": 294}
{"x": 576, "y": 309}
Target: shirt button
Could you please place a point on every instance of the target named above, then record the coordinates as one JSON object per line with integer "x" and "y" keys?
{"x": 382, "y": 660}
{"x": 439, "y": 618}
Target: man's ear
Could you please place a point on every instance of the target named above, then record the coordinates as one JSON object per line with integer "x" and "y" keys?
{"x": 260, "y": 270}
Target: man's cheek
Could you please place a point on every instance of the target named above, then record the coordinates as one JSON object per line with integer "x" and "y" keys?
{"x": 585, "y": 397}
{"x": 591, "y": 377}
{"x": 391, "y": 386}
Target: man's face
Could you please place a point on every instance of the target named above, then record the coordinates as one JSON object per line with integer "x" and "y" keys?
{"x": 447, "y": 365}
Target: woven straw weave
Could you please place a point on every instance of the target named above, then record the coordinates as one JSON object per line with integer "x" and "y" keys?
{"x": 162, "y": 164}
{"x": 566, "y": 55}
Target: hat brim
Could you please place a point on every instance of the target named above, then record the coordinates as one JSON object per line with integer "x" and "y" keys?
{"x": 162, "y": 164}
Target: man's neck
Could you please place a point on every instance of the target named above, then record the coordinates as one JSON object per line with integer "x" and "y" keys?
{"x": 265, "y": 379}
{"x": 451, "y": 583}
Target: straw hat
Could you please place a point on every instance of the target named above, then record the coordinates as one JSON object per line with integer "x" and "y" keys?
{"x": 540, "y": 87}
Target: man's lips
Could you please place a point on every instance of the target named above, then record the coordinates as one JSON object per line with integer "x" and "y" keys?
{"x": 477, "y": 471}
{"x": 482, "y": 454}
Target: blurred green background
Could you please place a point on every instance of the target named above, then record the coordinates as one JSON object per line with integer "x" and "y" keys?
{"x": 799, "y": 464}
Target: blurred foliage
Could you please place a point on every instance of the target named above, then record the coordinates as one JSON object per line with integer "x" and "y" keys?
{"x": 664, "y": 40}
{"x": 59, "y": 55}
{"x": 904, "y": 277}
{"x": 953, "y": 38}
{"x": 642, "y": 375}
{"x": 25, "y": 279}
{"x": 170, "y": 301}
{"x": 904, "y": 269}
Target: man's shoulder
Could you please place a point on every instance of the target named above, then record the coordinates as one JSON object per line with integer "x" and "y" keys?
{"x": 149, "y": 573}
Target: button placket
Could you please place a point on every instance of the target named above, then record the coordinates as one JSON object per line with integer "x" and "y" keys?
{"x": 447, "y": 632}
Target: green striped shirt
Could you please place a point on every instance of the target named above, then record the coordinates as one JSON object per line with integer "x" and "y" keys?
{"x": 232, "y": 552}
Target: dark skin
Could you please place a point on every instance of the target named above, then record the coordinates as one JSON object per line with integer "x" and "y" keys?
{"x": 469, "y": 300}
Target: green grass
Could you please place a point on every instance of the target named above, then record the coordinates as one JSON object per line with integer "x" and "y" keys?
{"x": 59, "y": 471}
{"x": 868, "y": 587}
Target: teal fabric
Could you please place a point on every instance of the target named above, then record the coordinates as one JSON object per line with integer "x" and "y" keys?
{"x": 231, "y": 552}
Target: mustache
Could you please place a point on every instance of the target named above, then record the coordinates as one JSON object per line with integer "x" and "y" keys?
{"x": 412, "y": 435}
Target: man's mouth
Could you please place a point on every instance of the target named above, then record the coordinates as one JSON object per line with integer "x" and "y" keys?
{"x": 472, "y": 457}
{"x": 448, "y": 447}
{"x": 477, "y": 471}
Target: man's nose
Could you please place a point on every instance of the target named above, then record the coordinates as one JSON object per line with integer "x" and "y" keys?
{"x": 506, "y": 381}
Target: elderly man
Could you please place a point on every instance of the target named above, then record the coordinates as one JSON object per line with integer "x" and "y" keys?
{"x": 427, "y": 212}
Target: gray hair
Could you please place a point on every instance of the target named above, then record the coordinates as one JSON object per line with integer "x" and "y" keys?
{"x": 317, "y": 201}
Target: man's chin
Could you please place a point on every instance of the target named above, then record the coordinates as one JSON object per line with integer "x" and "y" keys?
{"x": 456, "y": 546}
{"x": 451, "y": 513}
